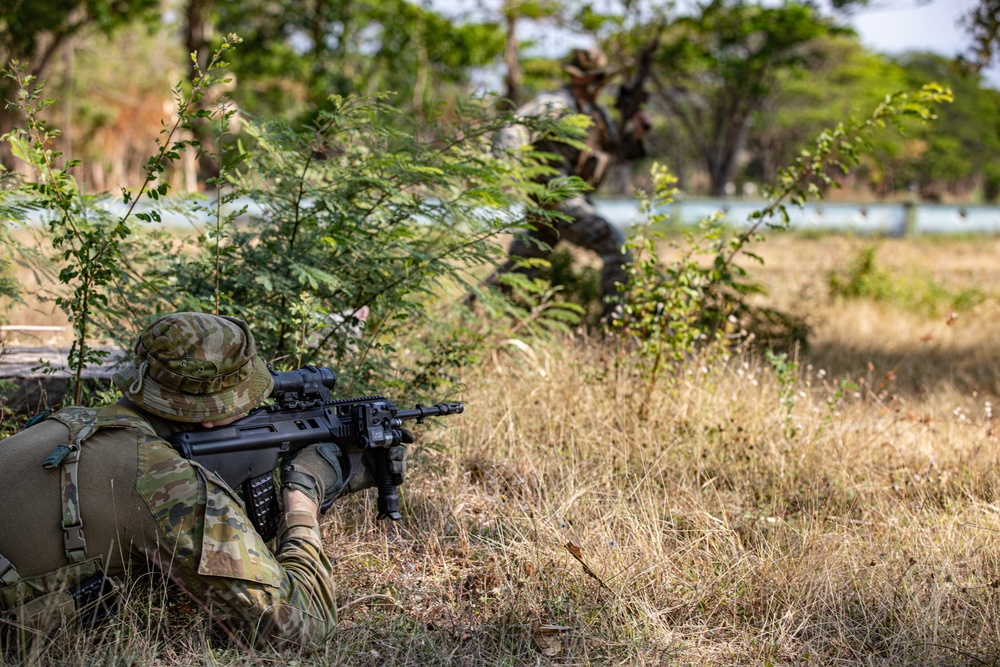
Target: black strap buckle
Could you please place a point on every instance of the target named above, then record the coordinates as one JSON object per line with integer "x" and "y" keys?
{"x": 73, "y": 537}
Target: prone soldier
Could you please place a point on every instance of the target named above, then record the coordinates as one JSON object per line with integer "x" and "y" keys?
{"x": 101, "y": 496}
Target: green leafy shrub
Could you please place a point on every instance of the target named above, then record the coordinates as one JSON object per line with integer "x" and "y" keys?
{"x": 313, "y": 226}
{"x": 702, "y": 299}
{"x": 662, "y": 307}
{"x": 862, "y": 278}
{"x": 916, "y": 291}
{"x": 354, "y": 215}
{"x": 89, "y": 242}
{"x": 579, "y": 284}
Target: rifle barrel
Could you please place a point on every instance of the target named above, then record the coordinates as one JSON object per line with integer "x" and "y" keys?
{"x": 421, "y": 411}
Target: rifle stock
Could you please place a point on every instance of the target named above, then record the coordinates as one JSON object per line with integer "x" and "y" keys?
{"x": 632, "y": 96}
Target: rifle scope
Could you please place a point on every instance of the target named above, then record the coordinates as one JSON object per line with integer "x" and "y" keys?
{"x": 305, "y": 381}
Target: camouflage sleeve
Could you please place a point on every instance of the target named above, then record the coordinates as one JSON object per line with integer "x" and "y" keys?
{"x": 214, "y": 554}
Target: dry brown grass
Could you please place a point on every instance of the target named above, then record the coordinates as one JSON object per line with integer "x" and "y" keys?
{"x": 860, "y": 528}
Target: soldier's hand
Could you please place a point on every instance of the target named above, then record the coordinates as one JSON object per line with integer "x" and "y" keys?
{"x": 315, "y": 471}
{"x": 395, "y": 457}
{"x": 638, "y": 125}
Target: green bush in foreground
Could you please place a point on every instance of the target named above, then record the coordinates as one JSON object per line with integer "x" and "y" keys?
{"x": 311, "y": 227}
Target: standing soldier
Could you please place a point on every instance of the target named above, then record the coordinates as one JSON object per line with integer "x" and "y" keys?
{"x": 588, "y": 71}
{"x": 101, "y": 497}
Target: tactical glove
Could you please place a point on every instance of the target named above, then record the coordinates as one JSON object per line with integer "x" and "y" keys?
{"x": 315, "y": 471}
{"x": 396, "y": 458}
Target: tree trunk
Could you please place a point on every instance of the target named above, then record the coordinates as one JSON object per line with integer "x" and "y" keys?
{"x": 66, "y": 131}
{"x": 722, "y": 154}
{"x": 719, "y": 171}
{"x": 513, "y": 78}
{"x": 197, "y": 32}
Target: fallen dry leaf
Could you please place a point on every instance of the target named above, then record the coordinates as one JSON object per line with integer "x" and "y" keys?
{"x": 549, "y": 629}
{"x": 547, "y": 639}
{"x": 578, "y": 554}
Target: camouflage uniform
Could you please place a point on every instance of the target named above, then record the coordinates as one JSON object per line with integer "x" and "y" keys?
{"x": 585, "y": 228}
{"x": 99, "y": 490}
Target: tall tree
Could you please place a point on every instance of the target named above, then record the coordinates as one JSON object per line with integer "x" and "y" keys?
{"x": 717, "y": 68}
{"x": 960, "y": 150}
{"x": 983, "y": 25}
{"x": 198, "y": 26}
{"x": 296, "y": 53}
{"x": 34, "y": 31}
{"x": 844, "y": 81}
{"x": 514, "y": 13}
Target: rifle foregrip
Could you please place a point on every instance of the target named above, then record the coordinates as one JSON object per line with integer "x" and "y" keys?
{"x": 388, "y": 498}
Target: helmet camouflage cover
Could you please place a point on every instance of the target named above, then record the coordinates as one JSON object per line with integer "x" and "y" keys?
{"x": 584, "y": 63}
{"x": 196, "y": 367}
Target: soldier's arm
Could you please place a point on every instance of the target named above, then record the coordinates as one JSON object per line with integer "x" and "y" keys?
{"x": 213, "y": 553}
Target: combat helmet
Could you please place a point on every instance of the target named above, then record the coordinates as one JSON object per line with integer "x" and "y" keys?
{"x": 584, "y": 63}
{"x": 196, "y": 367}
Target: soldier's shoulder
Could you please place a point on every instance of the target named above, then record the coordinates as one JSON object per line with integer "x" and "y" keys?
{"x": 83, "y": 422}
{"x": 46, "y": 430}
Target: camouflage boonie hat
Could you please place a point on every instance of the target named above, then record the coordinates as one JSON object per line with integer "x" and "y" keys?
{"x": 587, "y": 62}
{"x": 196, "y": 367}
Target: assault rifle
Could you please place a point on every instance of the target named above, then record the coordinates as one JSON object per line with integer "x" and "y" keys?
{"x": 632, "y": 96}
{"x": 246, "y": 452}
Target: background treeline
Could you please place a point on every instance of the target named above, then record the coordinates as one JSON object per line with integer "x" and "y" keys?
{"x": 736, "y": 88}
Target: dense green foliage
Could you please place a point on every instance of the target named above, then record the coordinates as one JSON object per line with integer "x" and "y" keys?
{"x": 353, "y": 214}
{"x": 720, "y": 66}
{"x": 969, "y": 148}
{"x": 313, "y": 226}
{"x": 298, "y": 54}
{"x": 737, "y": 87}
{"x": 841, "y": 83}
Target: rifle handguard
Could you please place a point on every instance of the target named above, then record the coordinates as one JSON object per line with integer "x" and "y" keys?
{"x": 246, "y": 452}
